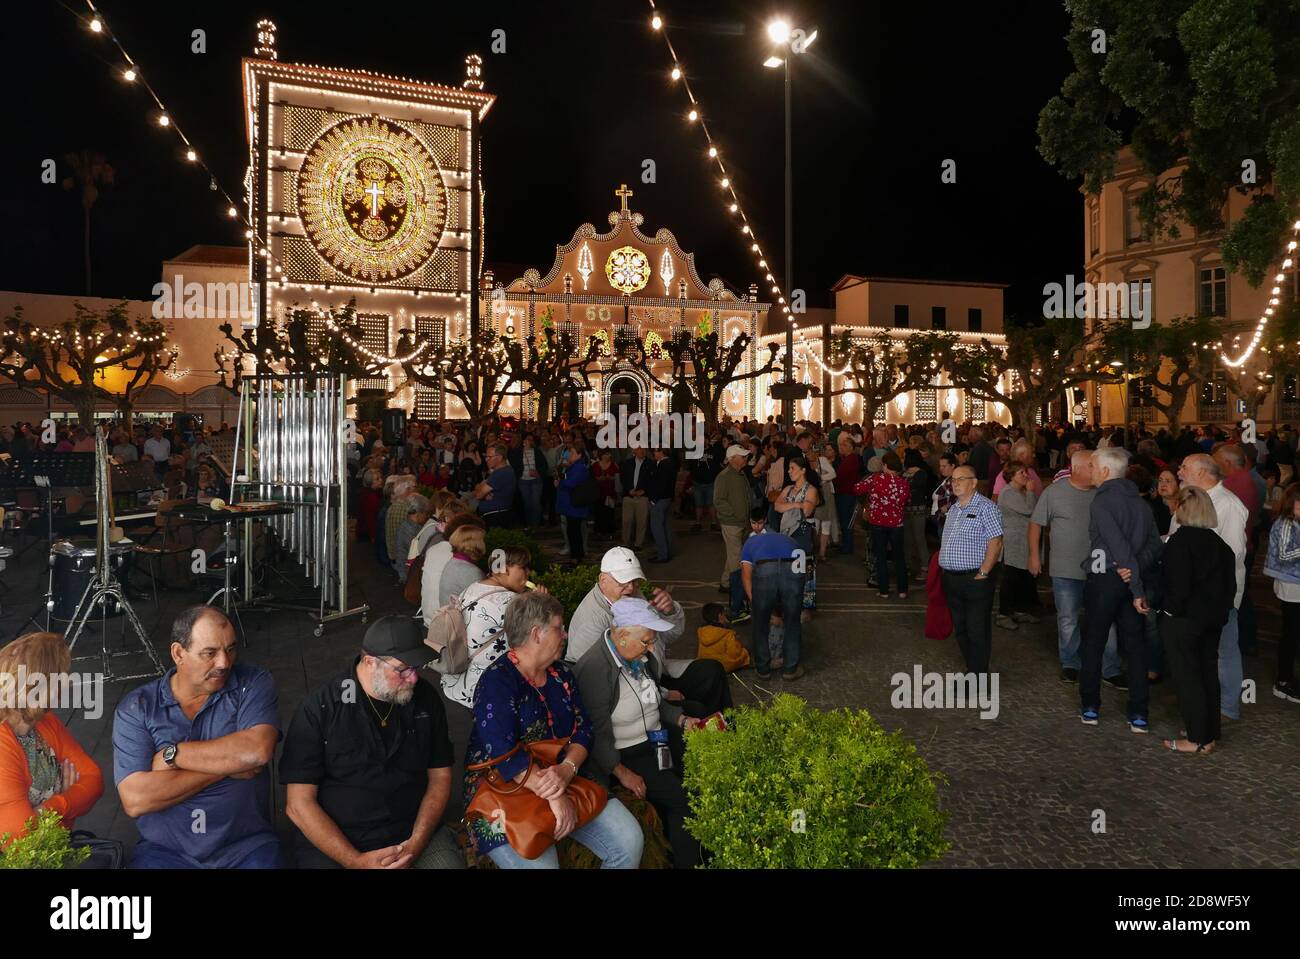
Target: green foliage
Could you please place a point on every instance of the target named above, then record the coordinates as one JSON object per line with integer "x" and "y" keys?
{"x": 505, "y": 538}
{"x": 570, "y": 586}
{"x": 1201, "y": 84}
{"x": 863, "y": 797}
{"x": 46, "y": 845}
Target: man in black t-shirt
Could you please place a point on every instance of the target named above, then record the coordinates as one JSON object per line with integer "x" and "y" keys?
{"x": 367, "y": 761}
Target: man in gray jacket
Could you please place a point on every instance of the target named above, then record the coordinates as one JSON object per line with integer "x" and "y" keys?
{"x": 699, "y": 686}
{"x": 732, "y": 501}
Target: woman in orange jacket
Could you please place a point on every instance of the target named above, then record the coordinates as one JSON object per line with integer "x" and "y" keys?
{"x": 41, "y": 765}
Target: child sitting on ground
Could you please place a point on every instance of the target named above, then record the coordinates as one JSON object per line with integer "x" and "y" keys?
{"x": 718, "y": 641}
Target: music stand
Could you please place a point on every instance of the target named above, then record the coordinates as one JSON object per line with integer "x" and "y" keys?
{"x": 103, "y": 583}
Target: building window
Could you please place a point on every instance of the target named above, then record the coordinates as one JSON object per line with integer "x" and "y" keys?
{"x": 1135, "y": 231}
{"x": 1094, "y": 226}
{"x": 900, "y": 315}
{"x": 975, "y": 319}
{"x": 1140, "y": 303}
{"x": 1214, "y": 291}
{"x": 926, "y": 408}
{"x": 974, "y": 409}
{"x": 939, "y": 317}
{"x": 1213, "y": 401}
{"x": 1290, "y": 397}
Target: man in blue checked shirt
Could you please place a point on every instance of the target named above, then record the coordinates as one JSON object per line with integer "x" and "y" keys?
{"x": 972, "y": 543}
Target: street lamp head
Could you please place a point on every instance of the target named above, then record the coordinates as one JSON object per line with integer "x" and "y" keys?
{"x": 773, "y": 62}
{"x": 779, "y": 31}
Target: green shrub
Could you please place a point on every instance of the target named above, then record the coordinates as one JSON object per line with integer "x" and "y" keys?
{"x": 46, "y": 845}
{"x": 504, "y": 538}
{"x": 793, "y": 787}
{"x": 569, "y": 586}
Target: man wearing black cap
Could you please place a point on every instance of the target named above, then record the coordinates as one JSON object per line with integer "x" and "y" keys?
{"x": 367, "y": 761}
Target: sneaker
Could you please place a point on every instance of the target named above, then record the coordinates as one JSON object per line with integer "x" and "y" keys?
{"x": 1025, "y": 618}
{"x": 796, "y": 673}
{"x": 1005, "y": 622}
{"x": 1288, "y": 689}
{"x": 1138, "y": 725}
{"x": 743, "y": 616}
{"x": 761, "y": 674}
{"x": 1118, "y": 681}
{"x": 1069, "y": 675}
{"x": 1089, "y": 716}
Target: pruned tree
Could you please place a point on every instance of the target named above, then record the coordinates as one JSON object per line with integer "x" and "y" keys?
{"x": 1173, "y": 358}
{"x": 1036, "y": 364}
{"x": 701, "y": 366}
{"x": 881, "y": 367}
{"x": 476, "y": 370}
{"x": 547, "y": 364}
{"x": 65, "y": 360}
{"x": 305, "y": 341}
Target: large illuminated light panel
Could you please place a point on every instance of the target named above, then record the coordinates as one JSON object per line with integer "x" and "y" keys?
{"x": 360, "y": 185}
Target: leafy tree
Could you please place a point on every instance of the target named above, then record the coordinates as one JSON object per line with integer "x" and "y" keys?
{"x": 66, "y": 360}
{"x": 1205, "y": 83}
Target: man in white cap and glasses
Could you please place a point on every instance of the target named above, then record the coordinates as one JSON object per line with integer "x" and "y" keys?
{"x": 732, "y": 501}
{"x": 698, "y": 686}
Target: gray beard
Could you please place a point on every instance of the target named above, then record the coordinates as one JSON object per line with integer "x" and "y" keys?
{"x": 388, "y": 693}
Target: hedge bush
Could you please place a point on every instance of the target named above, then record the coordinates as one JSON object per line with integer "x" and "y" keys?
{"x": 789, "y": 786}
{"x": 503, "y": 538}
{"x": 46, "y": 845}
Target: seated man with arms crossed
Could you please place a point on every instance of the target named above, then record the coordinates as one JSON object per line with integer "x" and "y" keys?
{"x": 190, "y": 753}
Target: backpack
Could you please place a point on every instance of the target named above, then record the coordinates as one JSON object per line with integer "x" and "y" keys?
{"x": 448, "y": 638}
{"x": 721, "y": 644}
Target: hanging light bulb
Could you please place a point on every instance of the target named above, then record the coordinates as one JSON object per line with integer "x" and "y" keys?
{"x": 693, "y": 115}
{"x": 657, "y": 22}
{"x": 163, "y": 120}
{"x": 129, "y": 75}
{"x": 677, "y": 73}
{"x": 191, "y": 155}
{"x": 96, "y": 25}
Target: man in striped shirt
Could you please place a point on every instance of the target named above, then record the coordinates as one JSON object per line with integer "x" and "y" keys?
{"x": 972, "y": 543}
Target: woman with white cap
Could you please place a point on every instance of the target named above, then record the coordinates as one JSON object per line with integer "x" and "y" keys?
{"x": 636, "y": 732}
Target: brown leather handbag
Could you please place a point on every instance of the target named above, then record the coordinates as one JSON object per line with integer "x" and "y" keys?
{"x": 526, "y": 818}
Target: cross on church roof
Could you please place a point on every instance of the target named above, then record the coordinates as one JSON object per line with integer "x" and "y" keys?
{"x": 623, "y": 193}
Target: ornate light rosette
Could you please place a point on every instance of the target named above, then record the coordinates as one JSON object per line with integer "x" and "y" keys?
{"x": 372, "y": 199}
{"x": 628, "y": 269}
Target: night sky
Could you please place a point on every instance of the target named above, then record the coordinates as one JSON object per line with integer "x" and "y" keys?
{"x": 887, "y": 92}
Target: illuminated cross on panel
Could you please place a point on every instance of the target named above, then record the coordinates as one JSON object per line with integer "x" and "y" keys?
{"x": 375, "y": 194}
{"x": 623, "y": 193}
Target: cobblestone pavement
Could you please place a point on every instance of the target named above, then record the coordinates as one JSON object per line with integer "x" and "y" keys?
{"x": 1022, "y": 789}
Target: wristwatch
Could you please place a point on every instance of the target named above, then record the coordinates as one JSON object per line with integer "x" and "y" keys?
{"x": 169, "y": 755}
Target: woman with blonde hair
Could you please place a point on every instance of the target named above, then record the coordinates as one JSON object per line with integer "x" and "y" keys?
{"x": 41, "y": 765}
{"x": 468, "y": 546}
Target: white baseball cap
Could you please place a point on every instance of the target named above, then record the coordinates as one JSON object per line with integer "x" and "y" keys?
{"x": 621, "y": 563}
{"x": 737, "y": 450}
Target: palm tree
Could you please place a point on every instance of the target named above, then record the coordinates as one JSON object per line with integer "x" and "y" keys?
{"x": 90, "y": 171}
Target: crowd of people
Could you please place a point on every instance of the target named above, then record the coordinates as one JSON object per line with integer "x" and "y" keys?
{"x": 1147, "y": 553}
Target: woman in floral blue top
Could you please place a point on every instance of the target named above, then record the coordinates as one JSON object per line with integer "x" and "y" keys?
{"x": 526, "y": 696}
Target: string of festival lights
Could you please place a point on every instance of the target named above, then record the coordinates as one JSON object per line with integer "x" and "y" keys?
{"x": 726, "y": 181}
{"x": 1275, "y": 293}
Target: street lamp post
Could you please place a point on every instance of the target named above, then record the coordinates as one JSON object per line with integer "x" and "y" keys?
{"x": 779, "y": 32}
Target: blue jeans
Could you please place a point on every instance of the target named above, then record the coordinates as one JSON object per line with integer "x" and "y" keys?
{"x": 531, "y": 491}
{"x": 703, "y": 495}
{"x": 845, "y": 503}
{"x": 661, "y": 528}
{"x": 738, "y": 598}
{"x": 615, "y": 836}
{"x": 1231, "y": 671}
{"x": 1068, "y": 596}
{"x": 777, "y": 586}
{"x": 149, "y": 855}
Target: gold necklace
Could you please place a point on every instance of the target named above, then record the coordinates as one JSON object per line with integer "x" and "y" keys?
{"x": 383, "y": 720}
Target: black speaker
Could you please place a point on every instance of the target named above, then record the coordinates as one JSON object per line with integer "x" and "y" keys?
{"x": 394, "y": 427}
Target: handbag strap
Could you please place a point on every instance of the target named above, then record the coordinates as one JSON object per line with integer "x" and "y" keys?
{"x": 490, "y": 764}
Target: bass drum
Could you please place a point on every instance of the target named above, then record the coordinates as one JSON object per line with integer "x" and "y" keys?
{"x": 74, "y": 565}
